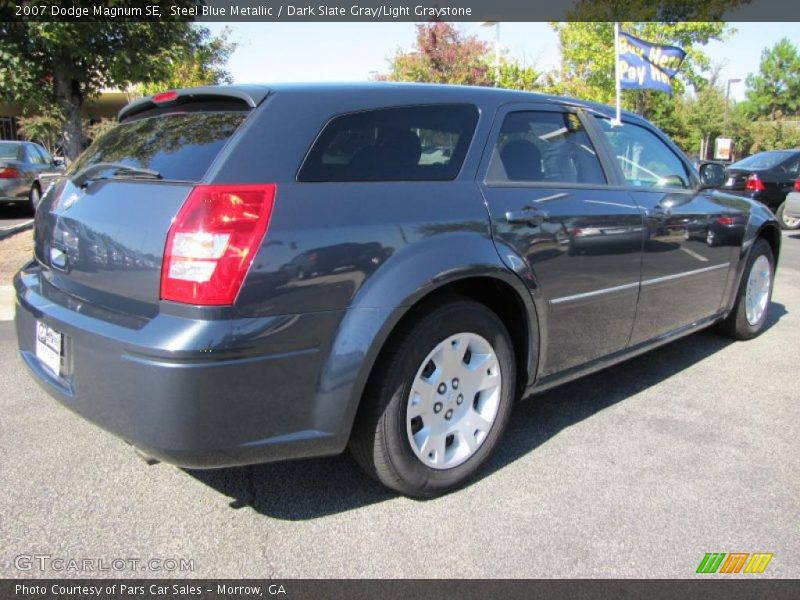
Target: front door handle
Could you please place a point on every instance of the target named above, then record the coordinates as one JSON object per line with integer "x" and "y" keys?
{"x": 656, "y": 212}
{"x": 528, "y": 215}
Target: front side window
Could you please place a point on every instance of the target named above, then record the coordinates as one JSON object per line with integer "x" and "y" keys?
{"x": 46, "y": 158}
{"x": 414, "y": 143}
{"x": 539, "y": 146}
{"x": 645, "y": 160}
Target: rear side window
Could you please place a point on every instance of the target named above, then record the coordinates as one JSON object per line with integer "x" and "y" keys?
{"x": 179, "y": 146}
{"x": 9, "y": 151}
{"x": 415, "y": 143}
{"x": 539, "y": 146}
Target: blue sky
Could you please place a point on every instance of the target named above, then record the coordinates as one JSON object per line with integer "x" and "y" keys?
{"x": 281, "y": 52}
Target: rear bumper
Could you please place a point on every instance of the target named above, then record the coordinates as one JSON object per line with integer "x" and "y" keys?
{"x": 194, "y": 393}
{"x": 13, "y": 190}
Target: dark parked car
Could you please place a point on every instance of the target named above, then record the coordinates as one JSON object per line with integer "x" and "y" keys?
{"x": 244, "y": 274}
{"x": 26, "y": 170}
{"x": 767, "y": 177}
{"x": 716, "y": 230}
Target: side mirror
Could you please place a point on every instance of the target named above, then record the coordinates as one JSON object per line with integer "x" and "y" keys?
{"x": 712, "y": 175}
{"x": 58, "y": 162}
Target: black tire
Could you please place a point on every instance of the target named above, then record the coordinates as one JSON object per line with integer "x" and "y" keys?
{"x": 736, "y": 325}
{"x": 779, "y": 215}
{"x": 34, "y": 197}
{"x": 380, "y": 443}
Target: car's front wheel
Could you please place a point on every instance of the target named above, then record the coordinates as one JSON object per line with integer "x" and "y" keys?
{"x": 749, "y": 314}
{"x": 787, "y": 222}
{"x": 438, "y": 402}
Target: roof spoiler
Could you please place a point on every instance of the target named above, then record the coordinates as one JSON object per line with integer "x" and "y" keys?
{"x": 250, "y": 95}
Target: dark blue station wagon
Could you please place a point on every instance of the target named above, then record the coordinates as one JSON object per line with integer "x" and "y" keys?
{"x": 244, "y": 274}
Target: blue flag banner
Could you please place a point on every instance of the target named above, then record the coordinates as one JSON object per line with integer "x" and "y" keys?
{"x": 643, "y": 65}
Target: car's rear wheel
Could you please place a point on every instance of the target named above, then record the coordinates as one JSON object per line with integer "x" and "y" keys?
{"x": 438, "y": 402}
{"x": 34, "y": 196}
{"x": 786, "y": 221}
{"x": 749, "y": 314}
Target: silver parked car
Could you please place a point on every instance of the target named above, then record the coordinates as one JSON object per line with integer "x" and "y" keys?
{"x": 792, "y": 207}
{"x": 26, "y": 170}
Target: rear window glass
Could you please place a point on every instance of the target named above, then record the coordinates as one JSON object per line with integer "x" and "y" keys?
{"x": 762, "y": 160}
{"x": 9, "y": 151}
{"x": 417, "y": 143}
{"x": 179, "y": 146}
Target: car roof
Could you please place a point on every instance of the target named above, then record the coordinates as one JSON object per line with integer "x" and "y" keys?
{"x": 253, "y": 94}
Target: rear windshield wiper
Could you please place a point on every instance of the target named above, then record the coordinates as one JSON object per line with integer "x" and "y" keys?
{"x": 120, "y": 170}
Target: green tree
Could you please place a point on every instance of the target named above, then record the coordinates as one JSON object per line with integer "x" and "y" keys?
{"x": 773, "y": 135}
{"x": 43, "y": 129}
{"x": 775, "y": 91}
{"x": 201, "y": 62}
{"x": 514, "y": 76}
{"x": 587, "y": 58}
{"x": 442, "y": 54}
{"x": 61, "y": 64}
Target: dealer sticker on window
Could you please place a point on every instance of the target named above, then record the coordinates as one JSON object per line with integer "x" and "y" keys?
{"x": 48, "y": 347}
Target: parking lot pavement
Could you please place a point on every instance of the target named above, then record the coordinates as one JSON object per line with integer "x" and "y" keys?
{"x": 14, "y": 214}
{"x": 637, "y": 471}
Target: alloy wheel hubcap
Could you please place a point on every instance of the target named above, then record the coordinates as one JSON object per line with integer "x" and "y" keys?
{"x": 757, "y": 294}
{"x": 790, "y": 221}
{"x": 453, "y": 401}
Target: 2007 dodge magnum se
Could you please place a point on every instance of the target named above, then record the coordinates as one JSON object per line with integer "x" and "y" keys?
{"x": 243, "y": 274}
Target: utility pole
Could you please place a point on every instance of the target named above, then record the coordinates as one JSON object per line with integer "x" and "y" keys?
{"x": 727, "y": 101}
{"x": 496, "y": 25}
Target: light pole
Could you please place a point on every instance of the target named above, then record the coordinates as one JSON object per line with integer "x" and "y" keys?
{"x": 496, "y": 25}
{"x": 727, "y": 101}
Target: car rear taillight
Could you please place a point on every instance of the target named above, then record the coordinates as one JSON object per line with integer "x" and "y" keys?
{"x": 9, "y": 173}
{"x": 753, "y": 183}
{"x": 168, "y": 96}
{"x": 797, "y": 185}
{"x": 212, "y": 242}
{"x": 725, "y": 220}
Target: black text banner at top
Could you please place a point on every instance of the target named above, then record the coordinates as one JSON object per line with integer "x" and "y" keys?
{"x": 394, "y": 10}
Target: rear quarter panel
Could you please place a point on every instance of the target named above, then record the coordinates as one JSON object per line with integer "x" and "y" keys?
{"x": 364, "y": 250}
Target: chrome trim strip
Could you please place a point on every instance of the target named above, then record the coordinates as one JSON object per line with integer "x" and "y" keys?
{"x": 685, "y": 274}
{"x": 626, "y": 286}
{"x": 611, "y": 290}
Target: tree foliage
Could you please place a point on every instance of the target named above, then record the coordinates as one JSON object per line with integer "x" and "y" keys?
{"x": 202, "y": 62}
{"x": 442, "y": 54}
{"x": 61, "y": 64}
{"x": 43, "y": 129}
{"x": 774, "y": 91}
{"x": 587, "y": 57}
{"x": 514, "y": 76}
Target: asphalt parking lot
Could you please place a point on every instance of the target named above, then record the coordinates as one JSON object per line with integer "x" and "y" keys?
{"x": 13, "y": 214}
{"x": 637, "y": 471}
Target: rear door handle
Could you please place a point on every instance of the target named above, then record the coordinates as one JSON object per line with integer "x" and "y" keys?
{"x": 528, "y": 215}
